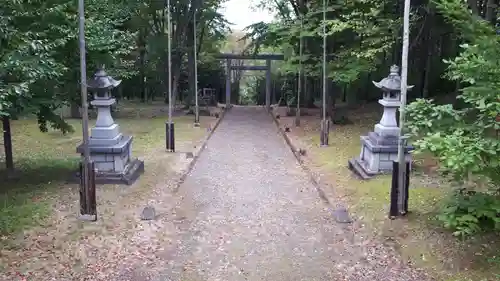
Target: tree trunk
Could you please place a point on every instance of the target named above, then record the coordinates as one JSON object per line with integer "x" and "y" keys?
{"x": 141, "y": 45}
{"x": 330, "y": 98}
{"x": 396, "y": 51}
{"x": 7, "y": 144}
{"x": 367, "y": 89}
{"x": 429, "y": 46}
{"x": 491, "y": 12}
{"x": 143, "y": 75}
{"x": 175, "y": 88}
{"x": 427, "y": 67}
{"x": 473, "y": 6}
{"x": 191, "y": 66}
{"x": 75, "y": 111}
{"x": 183, "y": 21}
{"x": 191, "y": 80}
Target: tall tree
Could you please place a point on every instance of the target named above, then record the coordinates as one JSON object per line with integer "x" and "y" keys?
{"x": 38, "y": 56}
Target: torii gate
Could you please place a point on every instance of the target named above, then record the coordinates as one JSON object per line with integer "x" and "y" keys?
{"x": 267, "y": 57}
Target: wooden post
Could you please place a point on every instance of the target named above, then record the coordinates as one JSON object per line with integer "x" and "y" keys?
{"x": 88, "y": 203}
{"x": 398, "y": 208}
{"x": 7, "y": 144}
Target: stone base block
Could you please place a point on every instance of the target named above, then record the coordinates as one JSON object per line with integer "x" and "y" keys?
{"x": 114, "y": 164}
{"x": 377, "y": 155}
{"x": 357, "y": 166}
{"x": 109, "y": 162}
{"x": 122, "y": 144}
{"x": 132, "y": 172}
{"x": 112, "y": 158}
{"x": 380, "y": 160}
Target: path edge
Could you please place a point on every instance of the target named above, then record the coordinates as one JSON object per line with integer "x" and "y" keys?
{"x": 197, "y": 153}
{"x": 312, "y": 178}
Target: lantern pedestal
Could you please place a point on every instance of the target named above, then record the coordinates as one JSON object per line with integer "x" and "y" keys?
{"x": 114, "y": 163}
{"x": 110, "y": 150}
{"x": 377, "y": 155}
{"x": 380, "y": 148}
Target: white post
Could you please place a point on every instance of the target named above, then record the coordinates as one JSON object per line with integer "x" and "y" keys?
{"x": 324, "y": 61}
{"x": 324, "y": 122}
{"x": 299, "y": 85}
{"x": 197, "y": 109}
{"x": 169, "y": 58}
{"x": 404, "y": 88}
{"x": 85, "y": 106}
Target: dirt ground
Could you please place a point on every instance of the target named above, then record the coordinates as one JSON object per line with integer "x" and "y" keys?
{"x": 58, "y": 246}
{"x": 419, "y": 238}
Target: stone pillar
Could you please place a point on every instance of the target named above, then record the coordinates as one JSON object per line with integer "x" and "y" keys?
{"x": 380, "y": 148}
{"x": 228, "y": 83}
{"x": 268, "y": 84}
{"x": 105, "y": 132}
{"x": 109, "y": 149}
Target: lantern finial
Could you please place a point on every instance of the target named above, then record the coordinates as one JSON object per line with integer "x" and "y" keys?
{"x": 394, "y": 70}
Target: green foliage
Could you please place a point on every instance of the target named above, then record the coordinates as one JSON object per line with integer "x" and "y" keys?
{"x": 27, "y": 45}
{"x": 39, "y": 55}
{"x": 359, "y": 33}
{"x": 461, "y": 144}
{"x": 364, "y": 32}
{"x": 470, "y": 213}
{"x": 148, "y": 19}
{"x": 466, "y": 140}
{"x": 288, "y": 93}
{"x": 495, "y": 261}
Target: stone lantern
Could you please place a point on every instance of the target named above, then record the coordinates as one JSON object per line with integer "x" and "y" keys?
{"x": 109, "y": 149}
{"x": 380, "y": 147}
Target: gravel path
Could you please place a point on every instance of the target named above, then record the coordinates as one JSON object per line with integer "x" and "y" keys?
{"x": 248, "y": 212}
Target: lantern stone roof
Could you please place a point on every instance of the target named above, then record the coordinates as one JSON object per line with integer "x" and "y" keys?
{"x": 102, "y": 80}
{"x": 391, "y": 82}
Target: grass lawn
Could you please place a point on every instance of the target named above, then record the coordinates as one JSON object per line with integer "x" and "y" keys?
{"x": 419, "y": 238}
{"x": 39, "y": 230}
